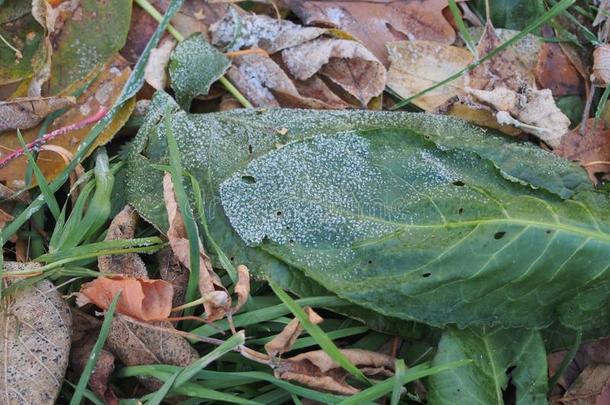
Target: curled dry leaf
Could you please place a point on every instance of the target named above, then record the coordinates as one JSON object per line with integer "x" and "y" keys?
{"x": 242, "y": 288}
{"x": 137, "y": 343}
{"x": 142, "y": 299}
{"x": 591, "y": 149}
{"x": 601, "y": 65}
{"x": 265, "y": 84}
{"x": 155, "y": 72}
{"x": 417, "y": 65}
{"x": 346, "y": 63}
{"x": 103, "y": 91}
{"x": 284, "y": 341}
{"x": 317, "y": 370}
{"x": 123, "y": 226}
{"x": 556, "y": 72}
{"x": 35, "y": 329}
{"x": 591, "y": 387}
{"x": 377, "y": 23}
{"x": 209, "y": 282}
{"x": 533, "y": 111}
{"x": 24, "y": 113}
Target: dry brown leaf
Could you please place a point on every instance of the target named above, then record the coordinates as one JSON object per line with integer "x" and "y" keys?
{"x": 173, "y": 272}
{"x": 317, "y": 370}
{"x": 417, "y": 65}
{"x": 242, "y": 287}
{"x": 556, "y": 72}
{"x": 123, "y": 226}
{"x": 142, "y": 299}
{"x": 35, "y": 329}
{"x": 137, "y": 343}
{"x": 346, "y": 63}
{"x": 24, "y": 113}
{"x": 265, "y": 84}
{"x": 155, "y": 72}
{"x": 592, "y": 387}
{"x": 209, "y": 282}
{"x": 533, "y": 111}
{"x": 284, "y": 340}
{"x": 104, "y": 91}
{"x": 480, "y": 116}
{"x": 260, "y": 31}
{"x": 588, "y": 148}
{"x": 375, "y": 23}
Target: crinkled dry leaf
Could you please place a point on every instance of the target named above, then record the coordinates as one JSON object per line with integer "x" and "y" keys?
{"x": 533, "y": 111}
{"x": 317, "y": 370}
{"x": 346, "y": 63}
{"x": 24, "y": 113}
{"x": 137, "y": 343}
{"x": 130, "y": 264}
{"x": 242, "y": 288}
{"x": 243, "y": 32}
{"x": 376, "y": 23}
{"x": 417, "y": 65}
{"x": 265, "y": 84}
{"x": 209, "y": 282}
{"x": 155, "y": 72}
{"x": 284, "y": 340}
{"x": 591, "y": 149}
{"x": 104, "y": 91}
{"x": 35, "y": 329}
{"x": 142, "y": 299}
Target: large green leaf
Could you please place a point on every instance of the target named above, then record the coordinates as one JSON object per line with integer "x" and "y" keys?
{"x": 416, "y": 217}
{"x": 498, "y": 356}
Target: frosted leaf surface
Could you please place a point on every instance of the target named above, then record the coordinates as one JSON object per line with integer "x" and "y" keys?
{"x": 414, "y": 216}
{"x": 194, "y": 66}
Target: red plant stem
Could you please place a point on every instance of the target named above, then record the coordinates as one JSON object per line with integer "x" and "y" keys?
{"x": 35, "y": 144}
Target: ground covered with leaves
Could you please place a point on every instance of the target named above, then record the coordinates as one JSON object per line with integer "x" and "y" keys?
{"x": 273, "y": 202}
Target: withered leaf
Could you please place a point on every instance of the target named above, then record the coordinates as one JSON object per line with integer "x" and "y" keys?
{"x": 417, "y": 65}
{"x": 130, "y": 264}
{"x": 284, "y": 340}
{"x": 242, "y": 288}
{"x": 35, "y": 329}
{"x": 143, "y": 299}
{"x": 317, "y": 370}
{"x": 155, "y": 72}
{"x": 173, "y": 272}
{"x": 376, "y": 23}
{"x": 556, "y": 72}
{"x": 24, "y": 113}
{"x": 591, "y": 149}
{"x": 591, "y": 387}
{"x": 209, "y": 282}
{"x": 137, "y": 343}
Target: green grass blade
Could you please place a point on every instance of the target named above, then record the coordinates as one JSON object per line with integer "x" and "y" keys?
{"x": 557, "y": 9}
{"x": 95, "y": 352}
{"x": 135, "y": 82}
{"x": 162, "y": 392}
{"x": 46, "y": 192}
{"x": 417, "y": 372}
{"x": 190, "y": 226}
{"x": 457, "y": 17}
{"x": 118, "y": 246}
{"x": 601, "y": 107}
{"x": 88, "y": 395}
{"x": 399, "y": 374}
{"x": 318, "y": 334}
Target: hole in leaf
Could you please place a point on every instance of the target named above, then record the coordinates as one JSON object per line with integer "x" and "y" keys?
{"x": 370, "y": 262}
{"x": 279, "y": 213}
{"x": 287, "y": 227}
{"x": 250, "y": 149}
{"x": 291, "y": 241}
{"x": 460, "y": 210}
{"x": 232, "y": 258}
{"x": 426, "y": 275}
{"x": 248, "y": 179}
{"x": 548, "y": 231}
{"x": 458, "y": 183}
{"x": 499, "y": 235}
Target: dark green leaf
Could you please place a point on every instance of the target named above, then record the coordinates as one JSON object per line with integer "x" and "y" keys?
{"x": 194, "y": 66}
{"x": 414, "y": 216}
{"x": 498, "y": 356}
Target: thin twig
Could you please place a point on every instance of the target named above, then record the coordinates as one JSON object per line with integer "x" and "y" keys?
{"x": 37, "y": 143}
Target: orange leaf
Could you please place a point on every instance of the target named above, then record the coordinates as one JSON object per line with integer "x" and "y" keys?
{"x": 141, "y": 299}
